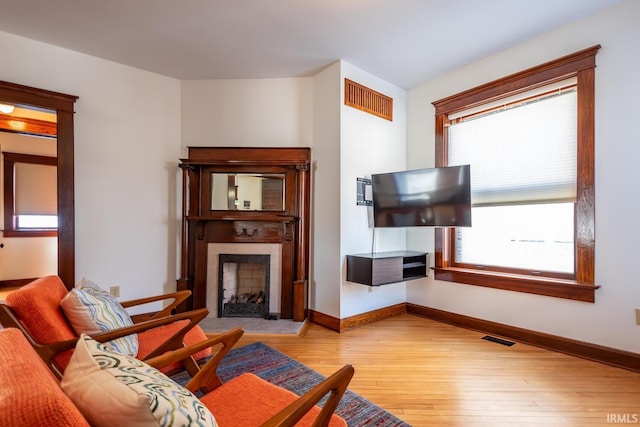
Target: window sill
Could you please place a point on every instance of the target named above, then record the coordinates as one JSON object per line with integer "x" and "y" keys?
{"x": 30, "y": 233}
{"x": 557, "y": 288}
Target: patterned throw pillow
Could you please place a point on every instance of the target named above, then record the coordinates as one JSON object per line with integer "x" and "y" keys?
{"x": 91, "y": 310}
{"x": 113, "y": 389}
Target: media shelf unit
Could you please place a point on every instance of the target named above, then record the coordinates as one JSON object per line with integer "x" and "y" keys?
{"x": 383, "y": 268}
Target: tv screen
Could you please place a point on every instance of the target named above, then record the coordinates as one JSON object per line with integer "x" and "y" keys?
{"x": 423, "y": 197}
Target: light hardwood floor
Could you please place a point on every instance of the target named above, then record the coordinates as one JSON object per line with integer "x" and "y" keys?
{"x": 432, "y": 374}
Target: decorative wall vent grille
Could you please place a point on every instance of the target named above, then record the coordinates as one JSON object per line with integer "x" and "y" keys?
{"x": 365, "y": 99}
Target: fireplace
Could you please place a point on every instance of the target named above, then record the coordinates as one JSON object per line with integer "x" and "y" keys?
{"x": 213, "y": 214}
{"x": 270, "y": 253}
{"x": 243, "y": 285}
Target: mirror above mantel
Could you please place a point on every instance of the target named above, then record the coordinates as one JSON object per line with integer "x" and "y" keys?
{"x": 248, "y": 191}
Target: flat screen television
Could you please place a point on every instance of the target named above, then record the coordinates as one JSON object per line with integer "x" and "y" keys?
{"x": 438, "y": 197}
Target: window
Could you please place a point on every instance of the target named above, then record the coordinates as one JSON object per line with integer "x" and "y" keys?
{"x": 30, "y": 195}
{"x": 529, "y": 138}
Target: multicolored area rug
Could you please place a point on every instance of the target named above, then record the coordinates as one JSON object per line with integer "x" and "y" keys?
{"x": 278, "y": 368}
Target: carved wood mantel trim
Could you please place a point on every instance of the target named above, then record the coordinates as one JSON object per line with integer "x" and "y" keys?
{"x": 289, "y": 227}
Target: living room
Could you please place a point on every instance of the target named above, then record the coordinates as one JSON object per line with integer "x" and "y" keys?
{"x": 133, "y": 126}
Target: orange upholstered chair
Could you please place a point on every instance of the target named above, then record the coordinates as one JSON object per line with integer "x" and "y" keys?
{"x": 248, "y": 400}
{"x": 30, "y": 394}
{"x": 35, "y": 310}
{"x": 234, "y": 403}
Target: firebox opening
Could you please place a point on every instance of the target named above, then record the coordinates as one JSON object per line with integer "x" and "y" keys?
{"x": 243, "y": 285}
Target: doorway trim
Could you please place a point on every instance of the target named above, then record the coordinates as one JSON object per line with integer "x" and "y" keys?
{"x": 64, "y": 107}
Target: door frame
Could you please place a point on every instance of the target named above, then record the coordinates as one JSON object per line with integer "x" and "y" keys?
{"x": 64, "y": 107}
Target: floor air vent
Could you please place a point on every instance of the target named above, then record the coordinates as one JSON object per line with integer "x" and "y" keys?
{"x": 498, "y": 340}
{"x": 368, "y": 100}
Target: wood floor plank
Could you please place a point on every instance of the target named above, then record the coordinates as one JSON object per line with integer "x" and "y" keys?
{"x": 432, "y": 374}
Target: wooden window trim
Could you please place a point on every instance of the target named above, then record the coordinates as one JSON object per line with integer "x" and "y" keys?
{"x": 10, "y": 230}
{"x": 582, "y": 66}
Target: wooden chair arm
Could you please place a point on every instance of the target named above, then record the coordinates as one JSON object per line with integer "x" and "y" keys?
{"x": 171, "y": 343}
{"x": 178, "y": 298}
{"x": 336, "y": 385}
{"x": 207, "y": 377}
{"x": 48, "y": 351}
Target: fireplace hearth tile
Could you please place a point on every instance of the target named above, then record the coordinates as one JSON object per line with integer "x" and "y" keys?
{"x": 252, "y": 325}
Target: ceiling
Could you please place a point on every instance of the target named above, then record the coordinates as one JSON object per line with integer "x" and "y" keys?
{"x": 405, "y": 42}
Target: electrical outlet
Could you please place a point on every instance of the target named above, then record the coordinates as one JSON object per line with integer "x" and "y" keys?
{"x": 637, "y": 316}
{"x": 114, "y": 291}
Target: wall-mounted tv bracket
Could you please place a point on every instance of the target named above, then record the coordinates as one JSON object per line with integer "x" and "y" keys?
{"x": 363, "y": 192}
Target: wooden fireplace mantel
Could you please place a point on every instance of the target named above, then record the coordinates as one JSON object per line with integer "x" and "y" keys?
{"x": 202, "y": 223}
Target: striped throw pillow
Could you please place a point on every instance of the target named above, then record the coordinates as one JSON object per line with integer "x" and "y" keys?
{"x": 91, "y": 310}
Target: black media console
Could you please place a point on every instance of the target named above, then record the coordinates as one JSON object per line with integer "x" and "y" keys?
{"x": 383, "y": 268}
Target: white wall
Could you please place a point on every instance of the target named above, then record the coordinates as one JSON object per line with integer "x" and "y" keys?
{"x": 26, "y": 257}
{"x": 324, "y": 287}
{"x": 247, "y": 113}
{"x": 127, "y": 145}
{"x": 368, "y": 145}
{"x": 610, "y": 321}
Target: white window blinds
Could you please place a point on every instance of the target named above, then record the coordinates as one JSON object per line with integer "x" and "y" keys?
{"x": 524, "y": 154}
{"x": 35, "y": 190}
